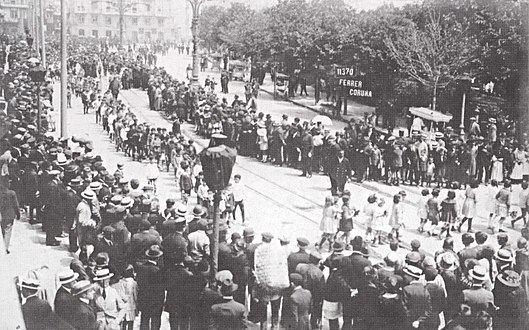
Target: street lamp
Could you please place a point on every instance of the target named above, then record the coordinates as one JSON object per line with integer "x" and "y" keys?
{"x": 38, "y": 75}
{"x": 195, "y": 5}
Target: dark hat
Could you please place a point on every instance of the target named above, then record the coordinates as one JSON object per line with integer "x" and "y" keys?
{"x": 510, "y": 278}
{"x": 235, "y": 236}
{"x": 228, "y": 290}
{"x": 338, "y": 246}
{"x": 198, "y": 211}
{"x": 170, "y": 201}
{"x": 108, "y": 230}
{"x": 154, "y": 252}
{"x": 467, "y": 238}
{"x": 413, "y": 257}
{"x": 296, "y": 278}
{"x": 202, "y": 224}
{"x": 267, "y": 236}
{"x": 415, "y": 243}
{"x": 302, "y": 242}
{"x": 248, "y": 232}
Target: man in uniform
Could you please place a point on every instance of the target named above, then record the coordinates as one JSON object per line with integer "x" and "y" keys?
{"x": 53, "y": 209}
{"x": 339, "y": 173}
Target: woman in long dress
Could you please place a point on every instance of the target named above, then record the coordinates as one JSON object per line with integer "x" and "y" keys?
{"x": 497, "y": 168}
{"x": 469, "y": 206}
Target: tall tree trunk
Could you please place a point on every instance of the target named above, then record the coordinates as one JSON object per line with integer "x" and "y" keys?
{"x": 434, "y": 101}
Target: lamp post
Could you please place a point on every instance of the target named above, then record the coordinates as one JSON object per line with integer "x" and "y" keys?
{"x": 38, "y": 75}
{"x": 195, "y": 5}
{"x": 64, "y": 73}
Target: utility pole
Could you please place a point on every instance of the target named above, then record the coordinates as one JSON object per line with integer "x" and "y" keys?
{"x": 64, "y": 70}
{"x": 36, "y": 32}
{"x": 42, "y": 39}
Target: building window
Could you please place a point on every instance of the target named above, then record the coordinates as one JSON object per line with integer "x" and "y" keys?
{"x": 81, "y": 32}
{"x": 134, "y": 10}
{"x": 94, "y": 18}
{"x": 108, "y": 33}
{"x": 147, "y": 20}
{"x": 140, "y": 30}
{"x": 109, "y": 20}
{"x": 14, "y": 13}
{"x": 135, "y": 20}
{"x": 95, "y": 33}
{"x": 94, "y": 6}
{"x": 148, "y": 7}
{"x": 160, "y": 21}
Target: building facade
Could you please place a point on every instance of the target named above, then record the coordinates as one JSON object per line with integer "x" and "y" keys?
{"x": 15, "y": 15}
{"x": 143, "y": 21}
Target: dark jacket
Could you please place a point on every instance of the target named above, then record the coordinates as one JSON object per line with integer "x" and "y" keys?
{"x": 417, "y": 304}
{"x": 9, "y": 208}
{"x": 151, "y": 288}
{"x": 228, "y": 315}
{"x": 83, "y": 316}
{"x": 39, "y": 316}
{"x": 296, "y": 309}
{"x": 64, "y": 302}
{"x": 179, "y": 284}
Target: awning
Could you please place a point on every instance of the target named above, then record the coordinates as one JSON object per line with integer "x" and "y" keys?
{"x": 430, "y": 114}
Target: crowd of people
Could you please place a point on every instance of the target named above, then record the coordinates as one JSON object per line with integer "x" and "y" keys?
{"x": 134, "y": 256}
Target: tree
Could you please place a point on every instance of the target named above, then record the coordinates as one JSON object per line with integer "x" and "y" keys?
{"x": 210, "y": 21}
{"x": 436, "y": 54}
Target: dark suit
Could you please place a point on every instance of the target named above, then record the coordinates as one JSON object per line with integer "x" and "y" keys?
{"x": 53, "y": 197}
{"x": 174, "y": 248}
{"x": 180, "y": 296}
{"x": 64, "y": 301}
{"x": 151, "y": 293}
{"x": 39, "y": 316}
{"x": 141, "y": 242}
{"x": 338, "y": 173}
{"x": 296, "y": 310}
{"x": 72, "y": 200}
{"x": 353, "y": 269}
{"x": 478, "y": 298}
{"x": 228, "y": 315}
{"x": 417, "y": 304}
{"x": 83, "y": 316}
{"x": 296, "y": 258}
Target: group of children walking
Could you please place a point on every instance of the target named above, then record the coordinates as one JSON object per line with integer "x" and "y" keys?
{"x": 438, "y": 217}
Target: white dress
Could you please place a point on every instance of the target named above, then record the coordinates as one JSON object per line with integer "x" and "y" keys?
{"x": 519, "y": 165}
{"x": 422, "y": 208}
{"x": 327, "y": 224}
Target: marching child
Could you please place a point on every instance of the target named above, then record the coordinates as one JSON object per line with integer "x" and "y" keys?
{"x": 396, "y": 217}
{"x": 422, "y": 209}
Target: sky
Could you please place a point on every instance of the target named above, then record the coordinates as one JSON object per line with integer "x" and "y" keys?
{"x": 357, "y": 4}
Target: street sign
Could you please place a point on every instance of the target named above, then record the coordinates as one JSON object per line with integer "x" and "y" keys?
{"x": 346, "y": 72}
{"x": 350, "y": 78}
{"x": 356, "y": 86}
